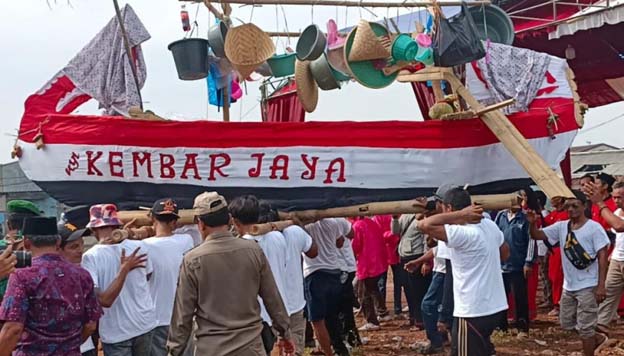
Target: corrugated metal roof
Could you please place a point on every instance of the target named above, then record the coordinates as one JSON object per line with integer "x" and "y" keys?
{"x": 610, "y": 161}
{"x": 13, "y": 180}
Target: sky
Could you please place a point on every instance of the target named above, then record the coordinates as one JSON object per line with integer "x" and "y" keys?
{"x": 38, "y": 38}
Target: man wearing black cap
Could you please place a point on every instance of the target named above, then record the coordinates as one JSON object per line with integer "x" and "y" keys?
{"x": 71, "y": 248}
{"x": 166, "y": 250}
{"x": 51, "y": 307}
{"x": 584, "y": 277}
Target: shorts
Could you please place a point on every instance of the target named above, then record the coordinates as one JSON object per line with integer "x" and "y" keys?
{"x": 578, "y": 311}
{"x": 322, "y": 292}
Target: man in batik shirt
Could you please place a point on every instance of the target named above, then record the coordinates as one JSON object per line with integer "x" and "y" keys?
{"x": 49, "y": 308}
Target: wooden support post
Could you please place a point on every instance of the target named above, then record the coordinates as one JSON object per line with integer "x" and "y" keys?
{"x": 518, "y": 146}
{"x": 226, "y": 103}
{"x": 437, "y": 90}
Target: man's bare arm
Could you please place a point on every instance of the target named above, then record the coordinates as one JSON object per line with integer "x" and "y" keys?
{"x": 9, "y": 336}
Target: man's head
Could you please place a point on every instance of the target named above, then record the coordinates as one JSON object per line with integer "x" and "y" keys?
{"x": 576, "y": 206}
{"x": 211, "y": 213}
{"x": 587, "y": 178}
{"x": 558, "y": 203}
{"x": 439, "y": 196}
{"x": 618, "y": 194}
{"x": 456, "y": 199}
{"x": 267, "y": 213}
{"x": 18, "y": 211}
{"x": 605, "y": 182}
{"x": 72, "y": 244}
{"x": 103, "y": 220}
{"x": 245, "y": 210}
{"x": 40, "y": 233}
{"x": 164, "y": 212}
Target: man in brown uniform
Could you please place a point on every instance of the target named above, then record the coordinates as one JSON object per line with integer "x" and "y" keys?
{"x": 220, "y": 281}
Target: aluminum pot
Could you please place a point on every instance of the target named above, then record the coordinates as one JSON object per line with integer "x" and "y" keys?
{"x": 323, "y": 74}
{"x": 311, "y": 43}
{"x": 216, "y": 39}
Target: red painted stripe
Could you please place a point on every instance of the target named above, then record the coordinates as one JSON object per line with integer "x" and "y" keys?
{"x": 97, "y": 130}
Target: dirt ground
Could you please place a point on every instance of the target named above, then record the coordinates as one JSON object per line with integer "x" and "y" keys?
{"x": 545, "y": 338}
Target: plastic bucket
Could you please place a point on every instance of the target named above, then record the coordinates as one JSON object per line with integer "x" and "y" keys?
{"x": 493, "y": 23}
{"x": 404, "y": 48}
{"x": 425, "y": 56}
{"x": 311, "y": 43}
{"x": 190, "y": 56}
{"x": 282, "y": 65}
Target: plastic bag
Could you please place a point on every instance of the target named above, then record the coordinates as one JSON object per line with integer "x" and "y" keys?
{"x": 456, "y": 40}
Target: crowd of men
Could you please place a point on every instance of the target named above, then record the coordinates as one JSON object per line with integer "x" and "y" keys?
{"x": 216, "y": 288}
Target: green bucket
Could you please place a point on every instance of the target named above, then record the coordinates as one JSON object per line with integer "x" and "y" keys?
{"x": 404, "y": 48}
{"x": 425, "y": 55}
{"x": 282, "y": 65}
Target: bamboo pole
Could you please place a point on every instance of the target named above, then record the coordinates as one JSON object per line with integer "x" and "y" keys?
{"x": 518, "y": 146}
{"x": 489, "y": 202}
{"x": 124, "y": 35}
{"x": 351, "y": 3}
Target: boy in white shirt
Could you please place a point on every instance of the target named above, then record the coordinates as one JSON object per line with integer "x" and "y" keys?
{"x": 166, "y": 251}
{"x": 120, "y": 271}
{"x": 476, "y": 246}
{"x": 245, "y": 212}
{"x": 583, "y": 289}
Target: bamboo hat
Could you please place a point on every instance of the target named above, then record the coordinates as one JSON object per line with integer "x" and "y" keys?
{"x": 307, "y": 89}
{"x": 247, "y": 47}
{"x": 367, "y": 45}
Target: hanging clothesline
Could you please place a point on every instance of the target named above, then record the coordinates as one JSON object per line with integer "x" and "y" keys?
{"x": 351, "y": 3}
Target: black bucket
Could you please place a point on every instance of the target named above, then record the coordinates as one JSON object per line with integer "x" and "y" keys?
{"x": 191, "y": 58}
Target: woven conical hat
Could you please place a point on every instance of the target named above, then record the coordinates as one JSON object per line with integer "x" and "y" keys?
{"x": 366, "y": 45}
{"x": 307, "y": 89}
{"x": 248, "y": 45}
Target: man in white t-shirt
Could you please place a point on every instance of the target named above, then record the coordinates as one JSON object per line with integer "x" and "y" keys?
{"x": 298, "y": 244}
{"x": 476, "y": 246}
{"x": 245, "y": 212}
{"x": 120, "y": 272}
{"x": 166, "y": 251}
{"x": 322, "y": 281}
{"x": 615, "y": 275}
{"x": 583, "y": 289}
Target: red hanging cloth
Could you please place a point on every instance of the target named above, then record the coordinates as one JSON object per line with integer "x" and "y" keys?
{"x": 284, "y": 105}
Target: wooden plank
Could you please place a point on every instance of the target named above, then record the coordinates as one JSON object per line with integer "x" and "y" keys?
{"x": 518, "y": 146}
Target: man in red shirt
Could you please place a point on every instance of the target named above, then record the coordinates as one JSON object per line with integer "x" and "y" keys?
{"x": 555, "y": 270}
{"x": 605, "y": 184}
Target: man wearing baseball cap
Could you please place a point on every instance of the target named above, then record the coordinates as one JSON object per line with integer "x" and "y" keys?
{"x": 71, "y": 248}
{"x": 120, "y": 271}
{"x": 220, "y": 281}
{"x": 166, "y": 250}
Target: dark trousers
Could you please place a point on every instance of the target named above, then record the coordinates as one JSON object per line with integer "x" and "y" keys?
{"x": 417, "y": 286}
{"x": 448, "y": 305}
{"x": 430, "y": 305}
{"x": 516, "y": 283}
{"x": 383, "y": 281}
{"x": 372, "y": 302}
{"x": 348, "y": 329}
{"x": 398, "y": 279}
{"x": 471, "y": 336}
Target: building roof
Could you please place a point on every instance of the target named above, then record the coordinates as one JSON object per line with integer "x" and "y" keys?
{"x": 594, "y": 147}
{"x": 607, "y": 161}
{"x": 13, "y": 180}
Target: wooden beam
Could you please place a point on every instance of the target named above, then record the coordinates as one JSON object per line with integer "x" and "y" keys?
{"x": 518, "y": 146}
{"x": 351, "y": 3}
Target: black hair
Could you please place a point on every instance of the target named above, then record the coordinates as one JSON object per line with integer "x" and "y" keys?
{"x": 218, "y": 218}
{"x": 267, "y": 213}
{"x": 532, "y": 201}
{"x": 245, "y": 209}
{"x": 587, "y": 175}
{"x": 618, "y": 185}
{"x": 541, "y": 199}
{"x": 457, "y": 198}
{"x": 578, "y": 195}
{"x": 165, "y": 218}
{"x": 43, "y": 240}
